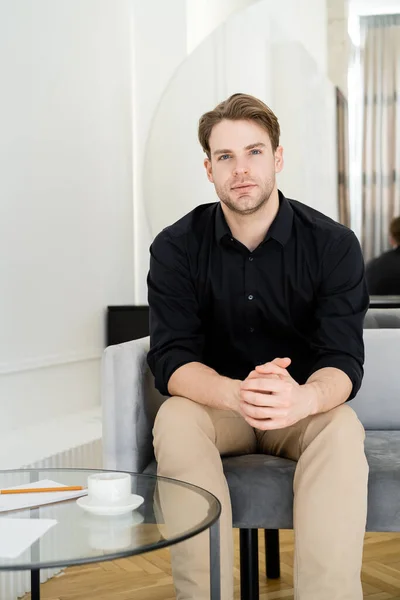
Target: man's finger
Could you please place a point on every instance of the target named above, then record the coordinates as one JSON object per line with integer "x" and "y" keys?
{"x": 264, "y": 385}
{"x": 263, "y": 399}
{"x": 257, "y": 375}
{"x": 272, "y": 368}
{"x": 282, "y": 362}
{"x": 263, "y": 412}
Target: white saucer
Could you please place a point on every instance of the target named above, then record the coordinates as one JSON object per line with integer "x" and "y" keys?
{"x": 120, "y": 508}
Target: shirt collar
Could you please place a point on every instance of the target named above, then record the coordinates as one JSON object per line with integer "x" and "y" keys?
{"x": 281, "y": 226}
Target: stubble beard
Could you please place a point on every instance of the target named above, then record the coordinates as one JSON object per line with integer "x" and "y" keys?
{"x": 240, "y": 205}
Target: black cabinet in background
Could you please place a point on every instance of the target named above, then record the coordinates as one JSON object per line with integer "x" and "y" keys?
{"x": 126, "y": 323}
{"x": 384, "y": 302}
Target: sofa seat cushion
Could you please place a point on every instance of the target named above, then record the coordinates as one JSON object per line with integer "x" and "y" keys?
{"x": 261, "y": 486}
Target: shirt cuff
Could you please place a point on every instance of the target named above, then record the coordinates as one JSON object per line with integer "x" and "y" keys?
{"x": 349, "y": 365}
{"x": 164, "y": 368}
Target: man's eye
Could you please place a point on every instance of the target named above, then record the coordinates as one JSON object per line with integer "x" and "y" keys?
{"x": 223, "y": 157}
{"x": 256, "y": 151}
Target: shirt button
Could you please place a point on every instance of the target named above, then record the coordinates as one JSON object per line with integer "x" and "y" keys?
{"x": 250, "y": 297}
{"x": 231, "y": 239}
{"x": 251, "y": 329}
{"x": 250, "y": 258}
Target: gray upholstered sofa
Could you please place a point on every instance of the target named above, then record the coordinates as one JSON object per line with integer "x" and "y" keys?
{"x": 261, "y": 485}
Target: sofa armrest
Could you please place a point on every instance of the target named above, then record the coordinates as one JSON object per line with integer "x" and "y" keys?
{"x": 129, "y": 405}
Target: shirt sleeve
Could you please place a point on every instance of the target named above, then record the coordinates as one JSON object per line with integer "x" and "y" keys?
{"x": 342, "y": 302}
{"x": 176, "y": 336}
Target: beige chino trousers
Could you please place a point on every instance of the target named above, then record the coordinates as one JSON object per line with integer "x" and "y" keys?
{"x": 330, "y": 493}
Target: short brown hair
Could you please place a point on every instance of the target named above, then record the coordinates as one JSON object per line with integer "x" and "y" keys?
{"x": 395, "y": 230}
{"x": 239, "y": 107}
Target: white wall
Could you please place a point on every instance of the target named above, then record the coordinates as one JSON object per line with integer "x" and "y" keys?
{"x": 338, "y": 43}
{"x": 205, "y": 16}
{"x": 158, "y": 48}
{"x": 374, "y": 7}
{"x": 66, "y": 242}
{"x": 305, "y": 103}
{"x": 303, "y": 21}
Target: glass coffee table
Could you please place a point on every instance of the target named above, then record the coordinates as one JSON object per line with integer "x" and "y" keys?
{"x": 172, "y": 512}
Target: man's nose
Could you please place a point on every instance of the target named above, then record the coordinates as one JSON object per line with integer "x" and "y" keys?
{"x": 241, "y": 169}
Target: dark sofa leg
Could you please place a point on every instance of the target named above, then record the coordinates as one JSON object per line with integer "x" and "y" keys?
{"x": 249, "y": 564}
{"x": 272, "y": 558}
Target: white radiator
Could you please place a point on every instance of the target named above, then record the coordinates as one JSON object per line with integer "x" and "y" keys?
{"x": 15, "y": 584}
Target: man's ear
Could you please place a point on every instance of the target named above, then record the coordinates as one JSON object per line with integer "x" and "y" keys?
{"x": 207, "y": 165}
{"x": 279, "y": 159}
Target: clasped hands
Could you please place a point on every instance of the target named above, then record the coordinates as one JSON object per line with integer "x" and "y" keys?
{"x": 269, "y": 398}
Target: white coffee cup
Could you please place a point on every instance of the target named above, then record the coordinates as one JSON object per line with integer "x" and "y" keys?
{"x": 107, "y": 489}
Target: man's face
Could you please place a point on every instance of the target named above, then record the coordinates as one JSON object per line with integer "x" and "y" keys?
{"x": 243, "y": 165}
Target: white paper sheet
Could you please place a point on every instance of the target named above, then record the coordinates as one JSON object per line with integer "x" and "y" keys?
{"x": 16, "y": 535}
{"x": 32, "y": 499}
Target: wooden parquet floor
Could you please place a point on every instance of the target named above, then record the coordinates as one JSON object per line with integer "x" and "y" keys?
{"x": 148, "y": 577}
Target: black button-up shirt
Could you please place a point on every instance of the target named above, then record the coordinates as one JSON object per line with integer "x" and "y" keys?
{"x": 301, "y": 293}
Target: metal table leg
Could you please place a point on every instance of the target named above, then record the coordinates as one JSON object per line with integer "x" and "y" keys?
{"x": 35, "y": 584}
{"x": 215, "y": 563}
{"x": 35, "y": 548}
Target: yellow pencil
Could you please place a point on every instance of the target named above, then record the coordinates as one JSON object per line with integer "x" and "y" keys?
{"x": 71, "y": 488}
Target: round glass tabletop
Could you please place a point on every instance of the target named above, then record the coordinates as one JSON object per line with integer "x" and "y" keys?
{"x": 172, "y": 511}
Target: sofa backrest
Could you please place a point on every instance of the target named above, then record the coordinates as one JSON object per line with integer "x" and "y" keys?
{"x": 382, "y": 317}
{"x": 377, "y": 404}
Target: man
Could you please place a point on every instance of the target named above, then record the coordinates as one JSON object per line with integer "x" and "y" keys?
{"x": 257, "y": 305}
{"x": 383, "y": 272}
